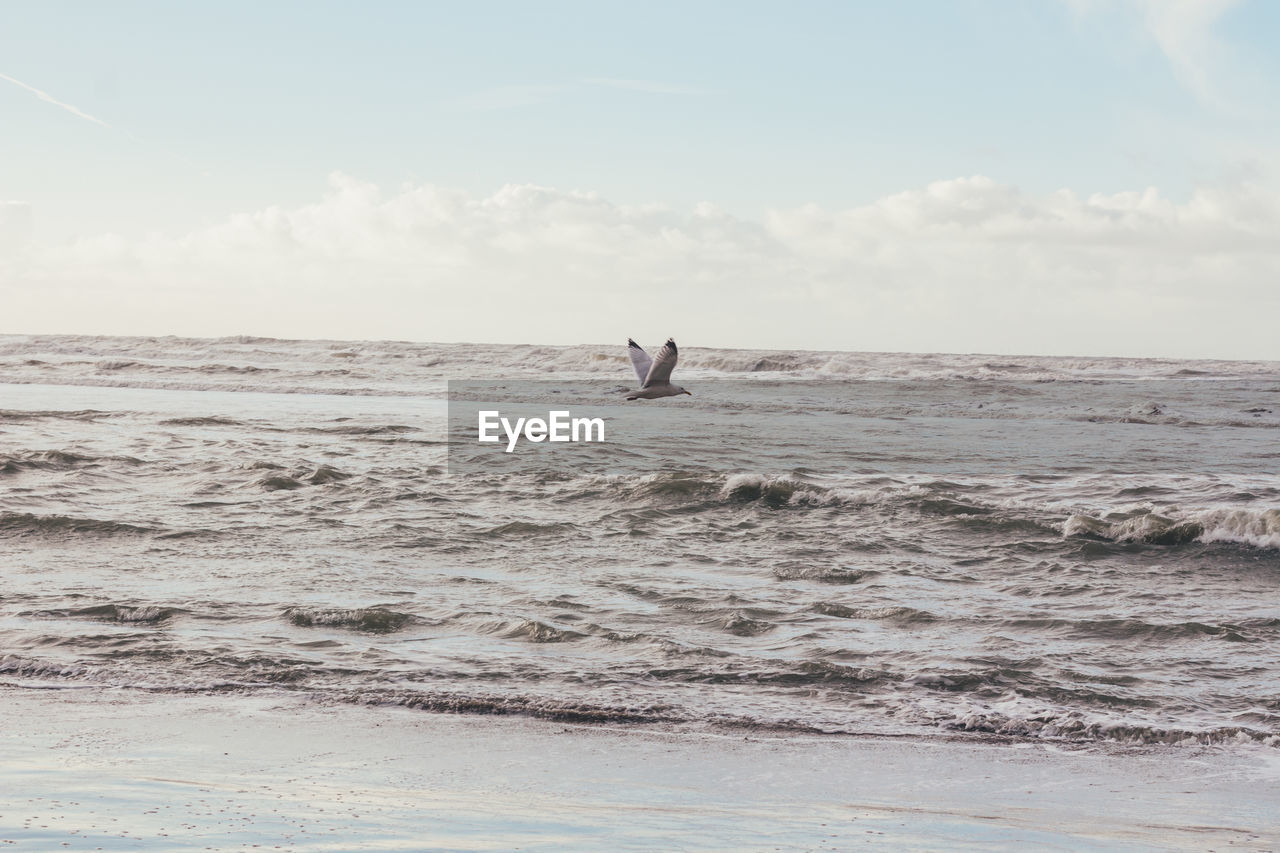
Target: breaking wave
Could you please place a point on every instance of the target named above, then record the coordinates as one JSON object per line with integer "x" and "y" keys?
{"x": 533, "y": 631}
{"x": 1075, "y": 726}
{"x": 371, "y": 620}
{"x": 145, "y": 614}
{"x": 28, "y": 668}
{"x": 558, "y": 710}
{"x": 29, "y": 524}
{"x": 1256, "y": 528}
{"x": 57, "y": 460}
{"x": 895, "y": 614}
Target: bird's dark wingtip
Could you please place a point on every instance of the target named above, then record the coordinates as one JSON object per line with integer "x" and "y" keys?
{"x": 671, "y": 342}
{"x": 632, "y": 343}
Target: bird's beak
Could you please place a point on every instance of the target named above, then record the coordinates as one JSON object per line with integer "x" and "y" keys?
{"x": 690, "y": 393}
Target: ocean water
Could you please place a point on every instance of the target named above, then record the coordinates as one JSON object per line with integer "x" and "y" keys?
{"x": 1079, "y": 549}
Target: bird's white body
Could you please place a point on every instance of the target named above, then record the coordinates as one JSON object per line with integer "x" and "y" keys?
{"x": 655, "y": 374}
{"x": 666, "y": 389}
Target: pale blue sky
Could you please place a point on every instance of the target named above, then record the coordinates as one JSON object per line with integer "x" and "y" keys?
{"x": 229, "y": 106}
{"x": 222, "y": 108}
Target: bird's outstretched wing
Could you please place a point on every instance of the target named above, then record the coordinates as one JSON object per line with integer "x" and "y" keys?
{"x": 660, "y": 370}
{"x": 639, "y": 359}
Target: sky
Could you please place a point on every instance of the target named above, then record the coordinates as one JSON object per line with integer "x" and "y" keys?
{"x": 1058, "y": 177}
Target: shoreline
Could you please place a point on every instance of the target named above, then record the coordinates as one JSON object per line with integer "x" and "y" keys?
{"x": 115, "y": 769}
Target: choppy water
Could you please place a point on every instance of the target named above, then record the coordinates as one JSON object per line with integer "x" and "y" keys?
{"x": 1047, "y": 547}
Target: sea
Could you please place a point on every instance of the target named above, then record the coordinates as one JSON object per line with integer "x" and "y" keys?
{"x": 1079, "y": 550}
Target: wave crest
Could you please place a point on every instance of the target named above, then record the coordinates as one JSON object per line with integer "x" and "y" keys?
{"x": 1257, "y": 528}
{"x": 1072, "y": 726}
{"x": 147, "y": 614}
{"x": 29, "y": 524}
{"x": 370, "y": 620}
{"x": 28, "y": 668}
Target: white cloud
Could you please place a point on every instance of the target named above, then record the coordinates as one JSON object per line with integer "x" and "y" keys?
{"x": 15, "y": 225}
{"x": 1184, "y": 31}
{"x": 961, "y": 265}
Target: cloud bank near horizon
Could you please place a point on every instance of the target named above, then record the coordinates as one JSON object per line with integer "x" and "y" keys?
{"x": 967, "y": 264}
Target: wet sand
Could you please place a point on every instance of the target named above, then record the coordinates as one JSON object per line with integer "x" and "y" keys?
{"x": 131, "y": 770}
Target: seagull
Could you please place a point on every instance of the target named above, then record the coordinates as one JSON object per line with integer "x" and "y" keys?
{"x": 655, "y": 374}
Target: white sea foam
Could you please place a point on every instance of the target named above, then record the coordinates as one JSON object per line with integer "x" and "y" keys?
{"x": 1258, "y": 528}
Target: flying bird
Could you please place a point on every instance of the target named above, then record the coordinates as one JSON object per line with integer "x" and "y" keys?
{"x": 655, "y": 374}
